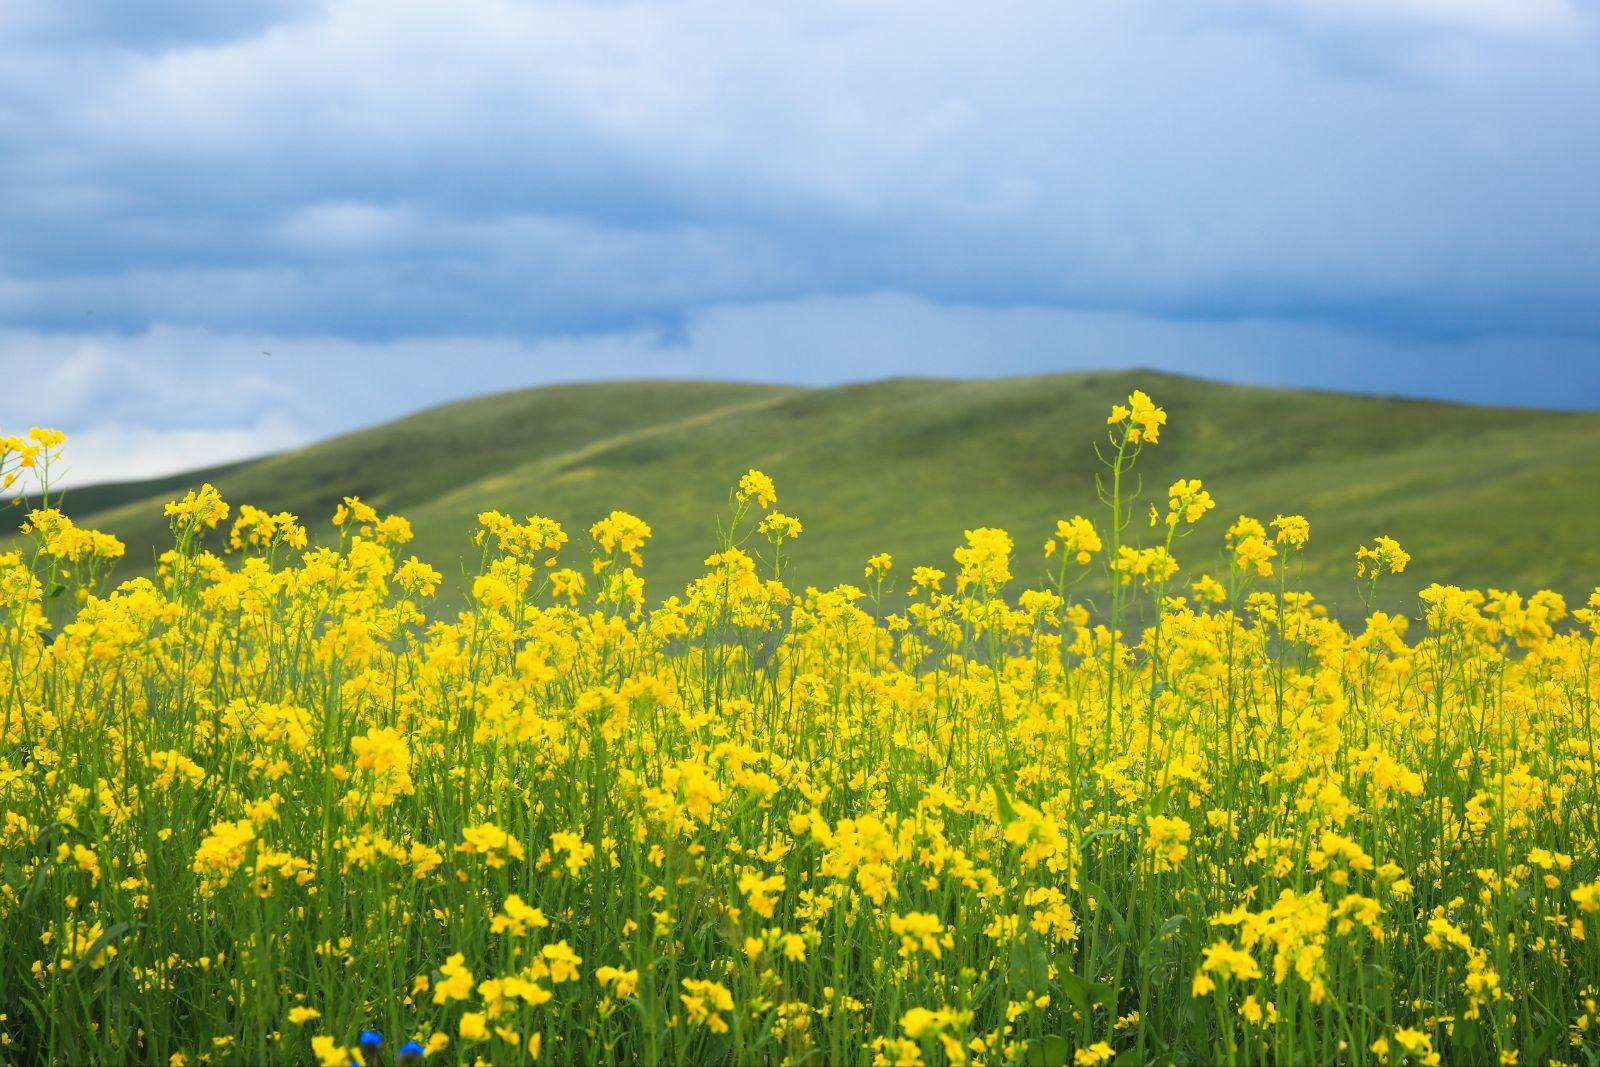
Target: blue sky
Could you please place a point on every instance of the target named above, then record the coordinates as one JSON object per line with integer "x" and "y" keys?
{"x": 404, "y": 201}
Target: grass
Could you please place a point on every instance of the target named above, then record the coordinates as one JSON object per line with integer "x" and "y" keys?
{"x": 253, "y": 811}
{"x": 1487, "y": 496}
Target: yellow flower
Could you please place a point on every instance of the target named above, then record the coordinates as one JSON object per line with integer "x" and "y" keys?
{"x": 561, "y": 961}
{"x": 1254, "y": 554}
{"x": 354, "y": 508}
{"x": 779, "y": 527}
{"x": 758, "y": 487}
{"x": 1187, "y": 500}
{"x": 1293, "y": 530}
{"x": 1144, "y": 418}
{"x": 1093, "y": 1055}
{"x": 760, "y": 891}
{"x": 1076, "y": 537}
{"x": 255, "y": 528}
{"x": 199, "y": 507}
{"x": 1167, "y": 839}
{"x": 492, "y": 843}
{"x": 1149, "y": 566}
{"x": 382, "y": 751}
{"x": 330, "y": 1053}
{"x": 417, "y": 578}
{"x": 1413, "y": 1041}
{"x": 920, "y": 931}
{"x": 455, "y": 981}
{"x": 920, "y": 1023}
{"x": 517, "y": 917}
{"x": 1224, "y": 959}
{"x": 223, "y": 851}
{"x": 1384, "y": 554}
{"x": 985, "y": 559}
{"x": 705, "y": 1001}
{"x": 622, "y": 534}
{"x": 46, "y": 437}
{"x": 622, "y": 982}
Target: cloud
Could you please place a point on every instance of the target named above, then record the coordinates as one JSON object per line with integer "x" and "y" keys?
{"x": 383, "y": 169}
{"x": 172, "y": 398}
{"x": 233, "y": 228}
{"x": 151, "y": 24}
{"x": 163, "y": 401}
{"x": 114, "y": 452}
{"x": 162, "y": 376}
{"x": 1538, "y": 17}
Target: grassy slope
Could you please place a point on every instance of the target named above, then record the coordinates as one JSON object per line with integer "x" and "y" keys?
{"x": 1480, "y": 496}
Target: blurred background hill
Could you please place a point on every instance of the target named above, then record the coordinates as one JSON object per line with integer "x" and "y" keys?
{"x": 1483, "y": 496}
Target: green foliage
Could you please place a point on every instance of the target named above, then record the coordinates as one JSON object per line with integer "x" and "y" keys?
{"x": 905, "y": 465}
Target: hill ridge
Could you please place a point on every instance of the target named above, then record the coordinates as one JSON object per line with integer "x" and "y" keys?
{"x": 905, "y": 464}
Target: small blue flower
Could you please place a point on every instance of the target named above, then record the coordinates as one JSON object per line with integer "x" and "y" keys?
{"x": 410, "y": 1052}
{"x": 369, "y": 1039}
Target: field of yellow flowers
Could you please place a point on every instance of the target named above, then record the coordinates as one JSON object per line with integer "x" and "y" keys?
{"x": 266, "y": 807}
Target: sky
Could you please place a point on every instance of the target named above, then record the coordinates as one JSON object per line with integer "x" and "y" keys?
{"x": 227, "y": 229}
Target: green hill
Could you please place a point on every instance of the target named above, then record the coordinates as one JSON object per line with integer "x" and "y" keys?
{"x": 1482, "y": 496}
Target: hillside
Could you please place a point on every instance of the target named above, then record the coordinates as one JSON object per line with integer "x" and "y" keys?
{"x": 1483, "y": 496}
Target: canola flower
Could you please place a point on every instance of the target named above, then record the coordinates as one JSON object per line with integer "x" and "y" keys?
{"x": 266, "y": 805}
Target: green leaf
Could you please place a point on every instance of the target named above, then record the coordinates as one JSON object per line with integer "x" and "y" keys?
{"x": 1002, "y": 803}
{"x": 32, "y": 895}
{"x": 114, "y": 933}
{"x": 1156, "y": 803}
{"x": 1030, "y": 967}
{"x": 1052, "y": 1050}
{"x": 1102, "y": 900}
{"x": 1465, "y": 1035}
{"x": 1160, "y": 947}
{"x": 1077, "y": 990}
{"x": 1540, "y": 1044}
{"x": 1083, "y": 993}
{"x": 55, "y": 590}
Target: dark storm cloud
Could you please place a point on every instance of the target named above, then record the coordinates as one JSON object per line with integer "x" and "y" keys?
{"x": 380, "y": 169}
{"x": 605, "y": 179}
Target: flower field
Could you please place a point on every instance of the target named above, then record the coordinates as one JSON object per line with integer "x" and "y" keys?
{"x": 269, "y": 806}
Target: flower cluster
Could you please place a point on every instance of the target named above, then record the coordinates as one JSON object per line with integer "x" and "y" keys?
{"x": 258, "y": 801}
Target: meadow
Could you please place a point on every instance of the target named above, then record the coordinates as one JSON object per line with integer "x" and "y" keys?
{"x": 1122, "y": 793}
{"x": 905, "y": 466}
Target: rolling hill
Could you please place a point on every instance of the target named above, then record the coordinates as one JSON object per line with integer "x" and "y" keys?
{"x": 1483, "y": 496}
